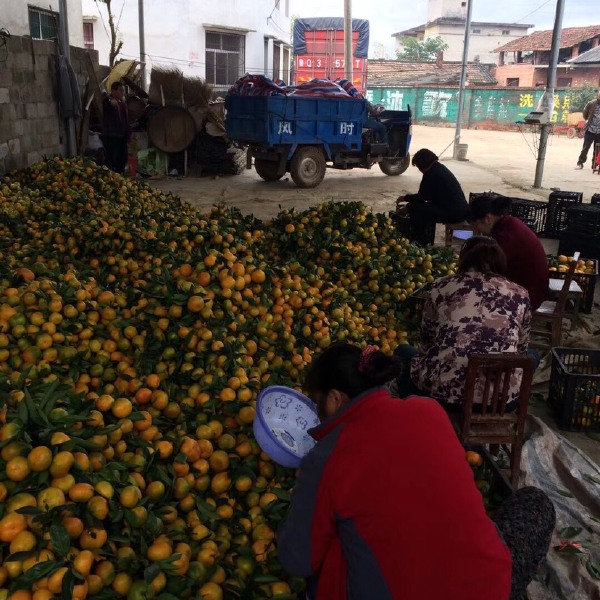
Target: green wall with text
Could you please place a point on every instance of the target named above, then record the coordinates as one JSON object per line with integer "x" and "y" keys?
{"x": 503, "y": 106}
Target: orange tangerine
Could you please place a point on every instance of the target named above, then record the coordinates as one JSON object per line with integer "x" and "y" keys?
{"x": 11, "y": 525}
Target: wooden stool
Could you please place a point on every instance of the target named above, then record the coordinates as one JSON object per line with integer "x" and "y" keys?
{"x": 451, "y": 228}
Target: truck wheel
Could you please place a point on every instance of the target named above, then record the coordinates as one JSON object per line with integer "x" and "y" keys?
{"x": 571, "y": 132}
{"x": 267, "y": 169}
{"x": 308, "y": 167}
{"x": 395, "y": 166}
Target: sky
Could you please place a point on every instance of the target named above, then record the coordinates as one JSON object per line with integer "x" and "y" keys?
{"x": 389, "y": 16}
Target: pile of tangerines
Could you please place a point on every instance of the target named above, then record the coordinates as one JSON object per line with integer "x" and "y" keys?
{"x": 135, "y": 335}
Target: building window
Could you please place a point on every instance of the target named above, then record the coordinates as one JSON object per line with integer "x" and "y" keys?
{"x": 565, "y": 81}
{"x": 512, "y": 82}
{"x": 88, "y": 36}
{"x": 224, "y": 58}
{"x": 43, "y": 24}
{"x": 476, "y": 31}
{"x": 506, "y": 32}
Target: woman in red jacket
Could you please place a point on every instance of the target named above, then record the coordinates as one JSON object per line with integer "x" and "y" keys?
{"x": 386, "y": 507}
{"x": 526, "y": 259}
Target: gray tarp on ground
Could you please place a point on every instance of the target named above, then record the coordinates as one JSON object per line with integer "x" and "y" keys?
{"x": 553, "y": 464}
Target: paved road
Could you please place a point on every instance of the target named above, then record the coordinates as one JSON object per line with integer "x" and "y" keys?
{"x": 497, "y": 160}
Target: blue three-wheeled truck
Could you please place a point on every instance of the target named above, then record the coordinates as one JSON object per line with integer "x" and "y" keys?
{"x": 303, "y": 135}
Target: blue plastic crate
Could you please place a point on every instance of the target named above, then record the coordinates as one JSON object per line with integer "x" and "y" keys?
{"x": 276, "y": 120}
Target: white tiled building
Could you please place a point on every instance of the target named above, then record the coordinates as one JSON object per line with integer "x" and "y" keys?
{"x": 447, "y": 18}
{"x": 39, "y": 19}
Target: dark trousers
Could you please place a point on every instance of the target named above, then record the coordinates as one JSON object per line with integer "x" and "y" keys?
{"x": 115, "y": 149}
{"x": 526, "y": 521}
{"x": 588, "y": 140}
{"x": 424, "y": 214}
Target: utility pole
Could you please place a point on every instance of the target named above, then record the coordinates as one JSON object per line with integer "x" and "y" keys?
{"x": 463, "y": 77}
{"x": 63, "y": 23}
{"x": 142, "y": 42}
{"x": 348, "y": 40}
{"x": 549, "y": 93}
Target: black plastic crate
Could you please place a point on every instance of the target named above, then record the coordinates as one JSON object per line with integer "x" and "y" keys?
{"x": 586, "y": 281}
{"x": 583, "y": 218}
{"x": 532, "y": 212}
{"x": 494, "y": 485}
{"x": 586, "y": 245}
{"x": 416, "y": 302}
{"x": 558, "y": 203}
{"x": 575, "y": 388}
{"x": 595, "y": 199}
{"x": 405, "y": 228}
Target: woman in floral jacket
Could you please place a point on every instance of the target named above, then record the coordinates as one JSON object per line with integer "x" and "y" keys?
{"x": 475, "y": 311}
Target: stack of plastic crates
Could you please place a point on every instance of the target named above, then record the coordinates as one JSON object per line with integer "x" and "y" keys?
{"x": 532, "y": 212}
{"x": 586, "y": 279}
{"x": 581, "y": 232}
{"x": 558, "y": 203}
{"x": 575, "y": 388}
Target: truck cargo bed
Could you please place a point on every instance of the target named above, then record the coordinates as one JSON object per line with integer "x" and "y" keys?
{"x": 279, "y": 120}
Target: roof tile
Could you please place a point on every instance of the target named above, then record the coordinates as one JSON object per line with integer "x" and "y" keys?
{"x": 388, "y": 73}
{"x": 590, "y": 57}
{"x": 542, "y": 40}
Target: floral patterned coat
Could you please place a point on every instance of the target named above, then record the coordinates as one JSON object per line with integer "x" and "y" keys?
{"x": 468, "y": 313}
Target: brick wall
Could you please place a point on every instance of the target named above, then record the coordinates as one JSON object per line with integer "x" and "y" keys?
{"x": 530, "y": 75}
{"x": 30, "y": 124}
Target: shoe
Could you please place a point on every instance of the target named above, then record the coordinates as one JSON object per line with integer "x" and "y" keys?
{"x": 579, "y": 166}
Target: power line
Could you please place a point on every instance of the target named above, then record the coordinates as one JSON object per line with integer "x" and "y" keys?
{"x": 102, "y": 19}
{"x": 534, "y": 11}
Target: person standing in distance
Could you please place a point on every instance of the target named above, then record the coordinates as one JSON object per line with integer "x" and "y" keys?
{"x": 591, "y": 114}
{"x": 115, "y": 128}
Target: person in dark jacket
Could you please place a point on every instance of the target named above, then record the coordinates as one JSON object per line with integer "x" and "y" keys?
{"x": 115, "y": 128}
{"x": 385, "y": 506}
{"x": 526, "y": 259}
{"x": 440, "y": 198}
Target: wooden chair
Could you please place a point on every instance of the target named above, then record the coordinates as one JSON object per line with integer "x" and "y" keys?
{"x": 488, "y": 379}
{"x": 546, "y": 322}
{"x": 574, "y": 297}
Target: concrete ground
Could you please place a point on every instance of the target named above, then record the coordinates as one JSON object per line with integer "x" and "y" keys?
{"x": 497, "y": 160}
{"x": 504, "y": 162}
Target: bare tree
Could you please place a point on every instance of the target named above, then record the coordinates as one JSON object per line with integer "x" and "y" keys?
{"x": 115, "y": 43}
